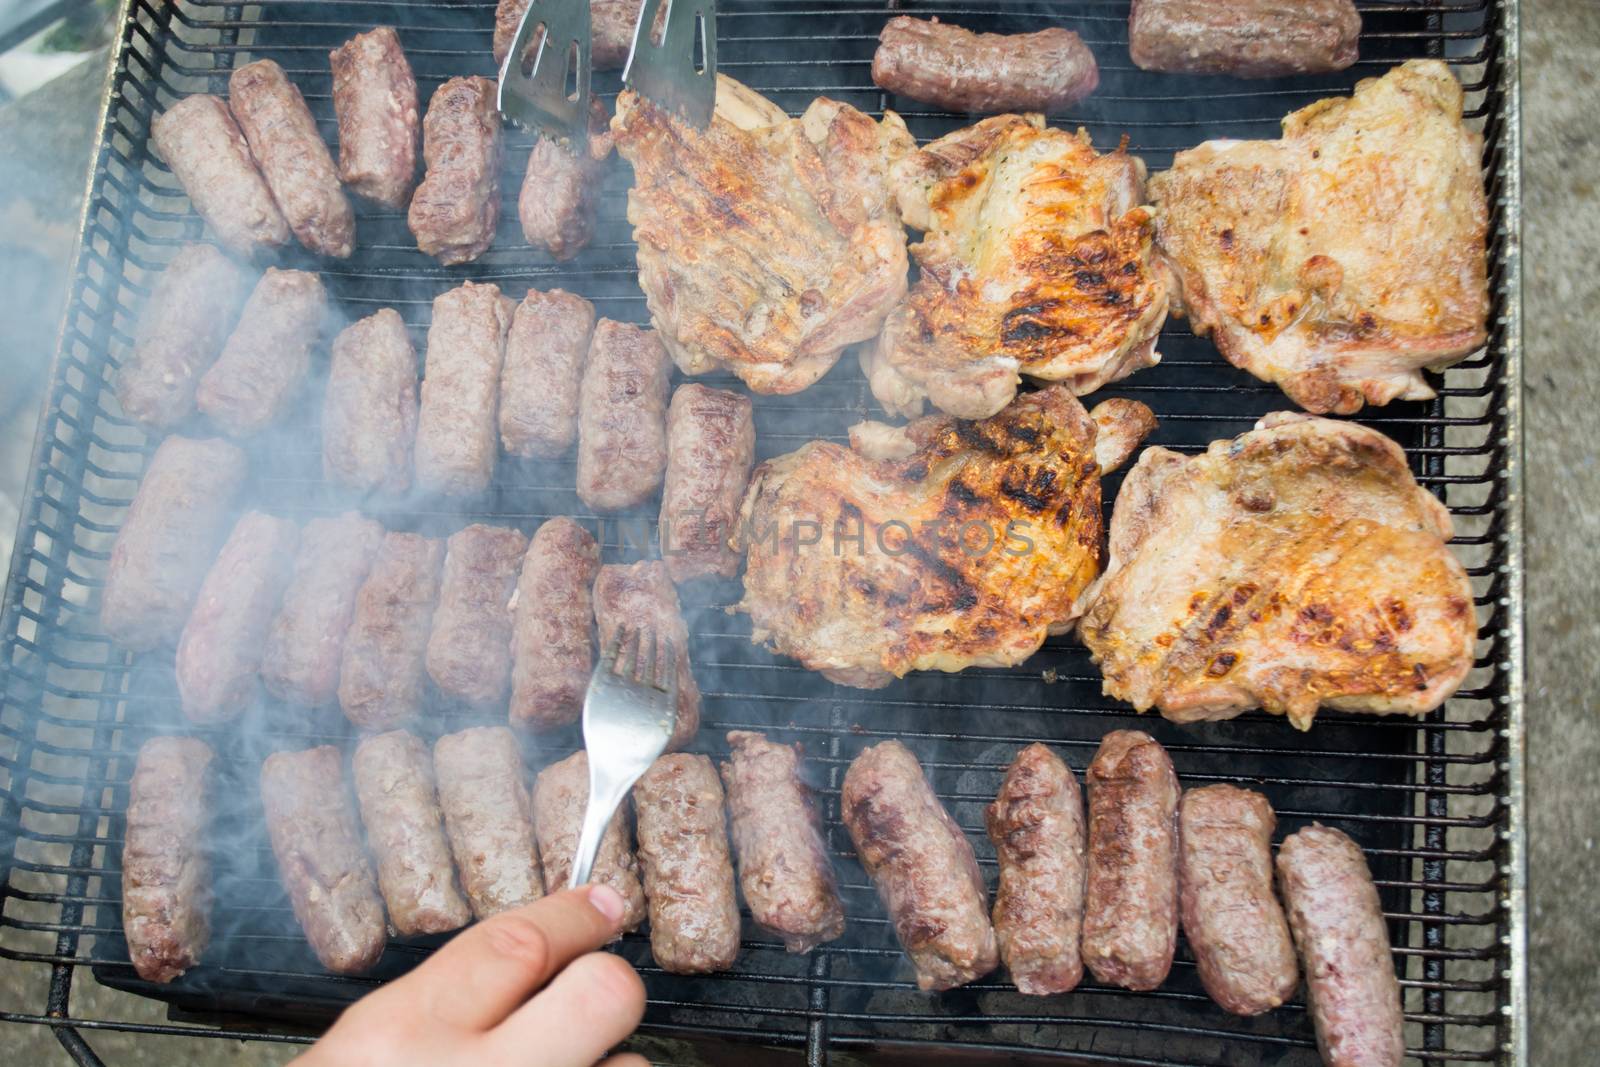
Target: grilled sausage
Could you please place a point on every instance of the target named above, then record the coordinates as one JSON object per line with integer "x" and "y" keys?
{"x": 198, "y": 139}
{"x": 1245, "y": 38}
{"x": 369, "y": 414}
{"x": 545, "y": 353}
{"x": 454, "y": 211}
{"x": 985, "y": 73}
{"x": 284, "y": 140}
{"x": 641, "y": 595}
{"x": 317, "y": 841}
{"x": 375, "y": 98}
{"x": 1351, "y": 987}
{"x": 218, "y": 665}
{"x": 711, "y": 447}
{"x": 922, "y": 864}
{"x": 1036, "y": 824}
{"x": 688, "y": 873}
{"x": 784, "y": 869}
{"x": 469, "y": 650}
{"x": 560, "y": 795}
{"x": 1130, "y": 920}
{"x": 1232, "y": 919}
{"x": 268, "y": 355}
{"x": 173, "y": 528}
{"x": 487, "y": 814}
{"x": 300, "y": 663}
{"x": 400, "y": 809}
{"x": 456, "y": 446}
{"x": 381, "y": 666}
{"x": 550, "y": 646}
{"x": 611, "y": 25}
{"x": 166, "y": 872}
{"x": 622, "y": 429}
{"x": 191, "y": 310}
{"x": 557, "y": 203}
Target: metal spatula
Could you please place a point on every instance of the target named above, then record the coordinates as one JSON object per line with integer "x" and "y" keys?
{"x": 539, "y": 98}
{"x": 666, "y": 72}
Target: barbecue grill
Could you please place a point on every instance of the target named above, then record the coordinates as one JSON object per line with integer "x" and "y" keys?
{"x": 1437, "y": 803}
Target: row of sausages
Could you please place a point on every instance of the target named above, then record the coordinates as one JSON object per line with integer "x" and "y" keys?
{"x": 257, "y": 170}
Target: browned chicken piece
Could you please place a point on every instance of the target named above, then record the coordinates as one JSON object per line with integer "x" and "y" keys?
{"x": 766, "y": 244}
{"x": 1037, "y": 259}
{"x": 935, "y": 546}
{"x": 1341, "y": 260}
{"x": 1294, "y": 566}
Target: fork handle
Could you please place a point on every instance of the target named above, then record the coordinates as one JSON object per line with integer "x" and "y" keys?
{"x": 603, "y": 803}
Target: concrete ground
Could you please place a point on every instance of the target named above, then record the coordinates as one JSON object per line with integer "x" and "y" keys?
{"x": 41, "y": 172}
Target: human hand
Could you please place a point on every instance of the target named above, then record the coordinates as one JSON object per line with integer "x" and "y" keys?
{"x": 525, "y": 988}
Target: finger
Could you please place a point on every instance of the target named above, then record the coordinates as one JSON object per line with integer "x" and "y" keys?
{"x": 588, "y": 1008}
{"x": 624, "y": 1059}
{"x": 481, "y": 976}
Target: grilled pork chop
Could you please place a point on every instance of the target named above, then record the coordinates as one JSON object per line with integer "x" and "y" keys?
{"x": 766, "y": 244}
{"x": 939, "y": 545}
{"x": 1344, "y": 258}
{"x": 1295, "y": 566}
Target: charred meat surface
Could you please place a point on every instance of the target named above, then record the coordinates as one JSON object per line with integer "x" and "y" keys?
{"x": 166, "y": 869}
{"x": 687, "y": 868}
{"x": 984, "y": 73}
{"x": 1231, "y": 917}
{"x": 264, "y": 363}
{"x": 218, "y": 665}
{"x": 1295, "y": 566}
{"x": 456, "y": 444}
{"x": 1037, "y": 260}
{"x": 400, "y": 809}
{"x": 1343, "y": 259}
{"x": 489, "y": 817}
{"x": 369, "y": 414}
{"x": 1244, "y": 38}
{"x": 784, "y": 868}
{"x": 192, "y": 309}
{"x": 1036, "y": 824}
{"x": 922, "y": 865}
{"x": 641, "y": 595}
{"x": 375, "y": 99}
{"x": 622, "y": 417}
{"x": 551, "y": 650}
{"x": 1130, "y": 919}
{"x": 454, "y": 211}
{"x": 546, "y": 351}
{"x": 766, "y": 244}
{"x": 711, "y": 446}
{"x": 935, "y": 546}
{"x": 469, "y": 650}
{"x": 381, "y": 676}
{"x": 199, "y": 140}
{"x": 560, "y": 795}
{"x": 317, "y": 840}
{"x": 173, "y": 528}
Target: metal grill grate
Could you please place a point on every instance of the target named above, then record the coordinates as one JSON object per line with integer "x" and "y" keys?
{"x": 1436, "y": 803}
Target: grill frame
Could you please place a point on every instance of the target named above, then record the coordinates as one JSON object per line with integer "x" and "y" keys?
{"x": 45, "y": 569}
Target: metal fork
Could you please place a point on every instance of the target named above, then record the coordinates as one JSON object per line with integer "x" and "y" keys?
{"x": 628, "y": 717}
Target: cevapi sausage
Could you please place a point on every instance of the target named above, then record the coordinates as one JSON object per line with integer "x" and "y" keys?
{"x": 400, "y": 809}
{"x": 173, "y": 528}
{"x": 1244, "y": 38}
{"x": 454, "y": 211}
{"x": 983, "y": 73}
{"x": 611, "y": 25}
{"x": 545, "y": 353}
{"x": 560, "y": 795}
{"x": 191, "y": 311}
{"x": 456, "y": 446}
{"x": 1231, "y": 917}
{"x": 784, "y": 868}
{"x": 199, "y": 140}
{"x": 487, "y": 813}
{"x": 268, "y": 355}
{"x": 688, "y": 872}
{"x": 1036, "y": 824}
{"x": 300, "y": 662}
{"x": 166, "y": 872}
{"x": 1351, "y": 987}
{"x": 469, "y": 650}
{"x": 369, "y": 413}
{"x": 375, "y": 98}
{"x": 1130, "y": 920}
{"x": 552, "y": 654}
{"x": 641, "y": 595}
{"x": 284, "y": 140}
{"x": 556, "y": 206}
{"x": 622, "y": 425}
{"x": 711, "y": 447}
{"x": 922, "y": 865}
{"x": 381, "y": 668}
{"x": 218, "y": 665}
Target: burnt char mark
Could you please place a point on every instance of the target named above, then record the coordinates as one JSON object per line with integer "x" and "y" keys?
{"x": 1221, "y": 664}
{"x": 961, "y": 596}
{"x": 1025, "y": 432}
{"x": 1219, "y": 621}
{"x": 960, "y": 494}
{"x": 1028, "y": 323}
{"x": 1028, "y": 494}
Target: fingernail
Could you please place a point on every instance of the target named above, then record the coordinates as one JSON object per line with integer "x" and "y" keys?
{"x": 607, "y": 902}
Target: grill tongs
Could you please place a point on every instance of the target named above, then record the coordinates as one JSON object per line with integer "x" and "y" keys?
{"x": 546, "y": 87}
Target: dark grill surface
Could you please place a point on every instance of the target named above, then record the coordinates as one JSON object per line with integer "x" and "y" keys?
{"x": 1430, "y": 801}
